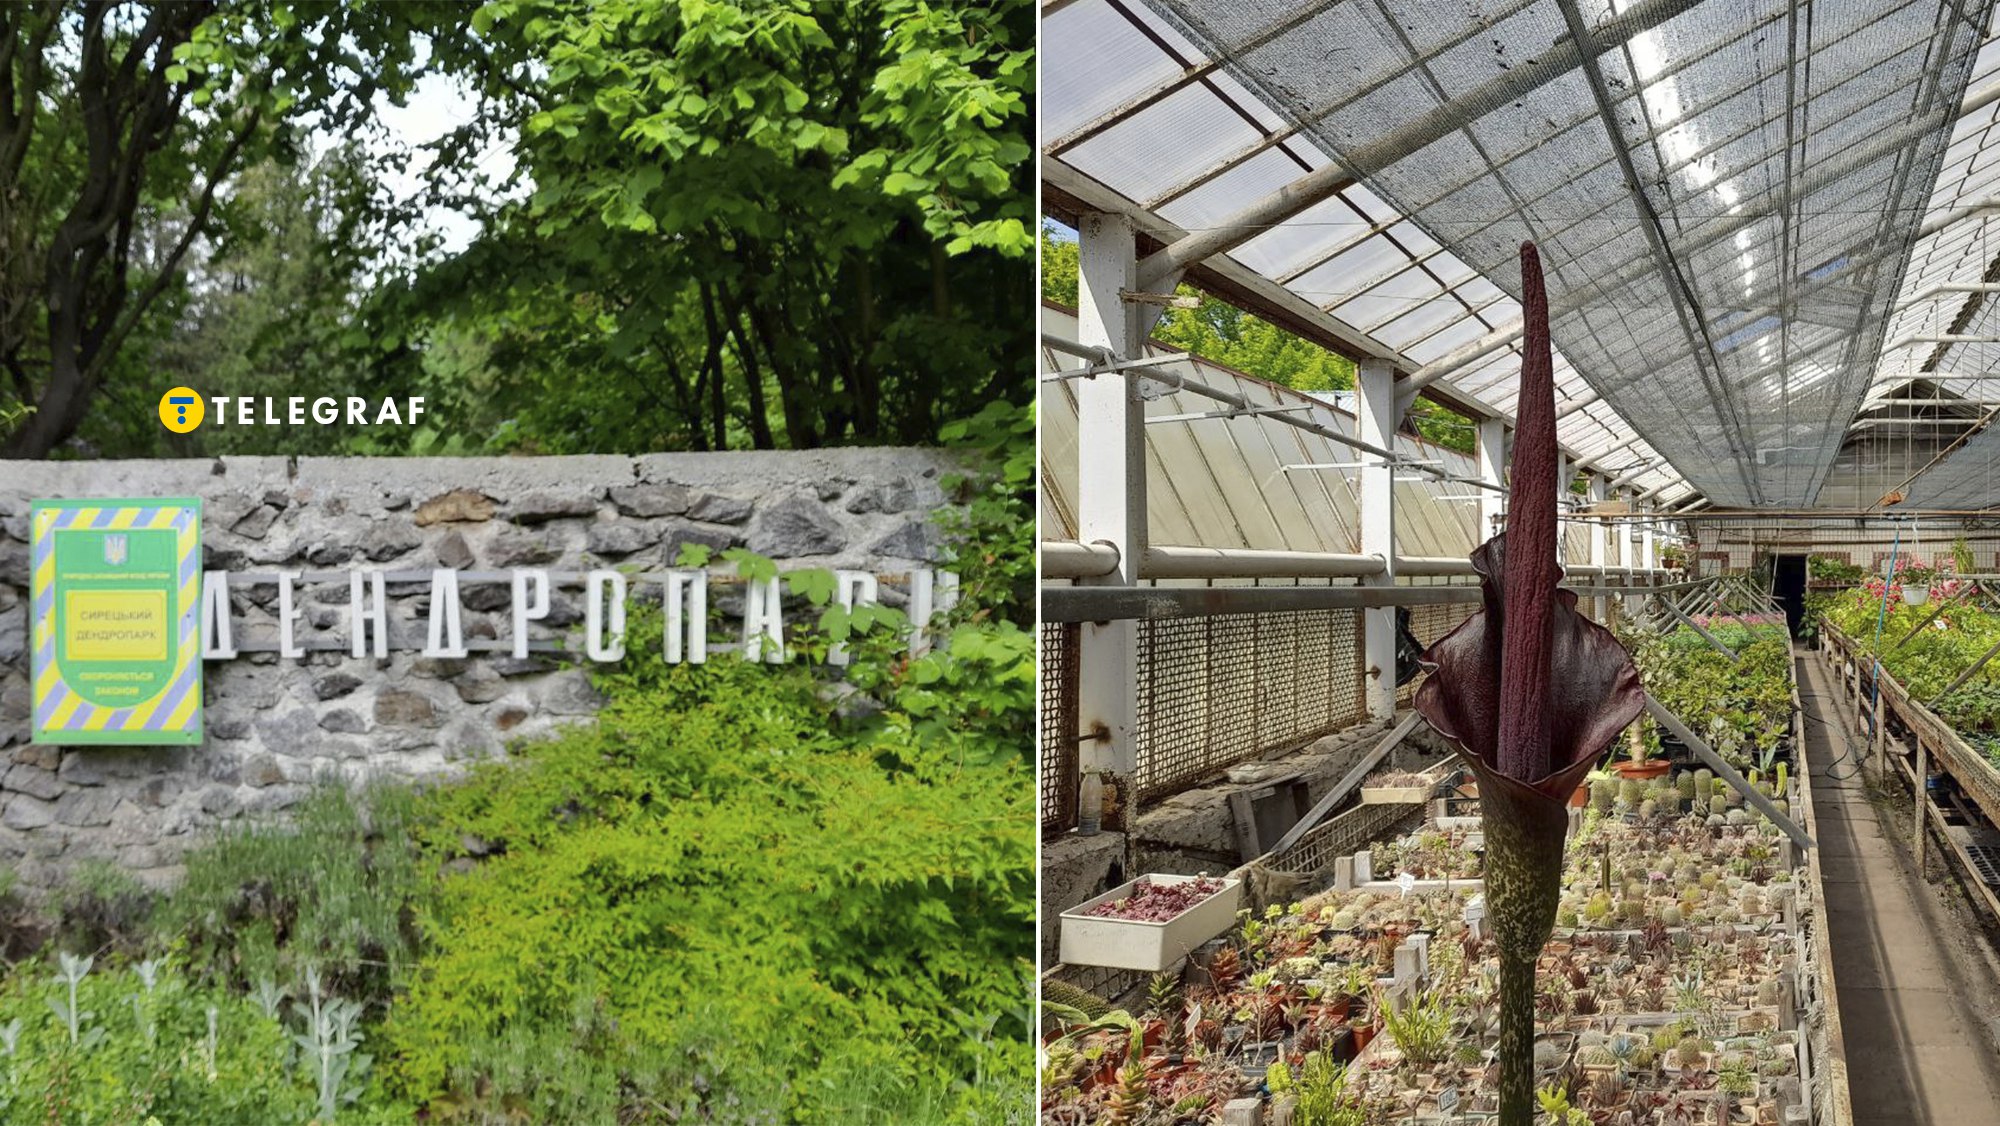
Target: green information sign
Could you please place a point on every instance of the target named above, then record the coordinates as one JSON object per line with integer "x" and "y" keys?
{"x": 117, "y": 641}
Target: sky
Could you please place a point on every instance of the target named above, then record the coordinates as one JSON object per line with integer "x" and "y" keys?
{"x": 438, "y": 105}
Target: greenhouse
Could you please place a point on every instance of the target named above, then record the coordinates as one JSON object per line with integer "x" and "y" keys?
{"x": 1687, "y": 814}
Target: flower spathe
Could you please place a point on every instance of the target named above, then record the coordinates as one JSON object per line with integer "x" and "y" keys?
{"x": 1591, "y": 690}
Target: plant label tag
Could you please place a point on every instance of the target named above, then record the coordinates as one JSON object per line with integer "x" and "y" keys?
{"x": 1407, "y": 883}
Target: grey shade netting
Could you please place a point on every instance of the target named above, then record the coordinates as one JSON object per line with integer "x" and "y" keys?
{"x": 1786, "y": 157}
{"x": 1965, "y": 478}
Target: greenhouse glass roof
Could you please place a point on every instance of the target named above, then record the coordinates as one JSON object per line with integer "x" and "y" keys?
{"x": 1812, "y": 181}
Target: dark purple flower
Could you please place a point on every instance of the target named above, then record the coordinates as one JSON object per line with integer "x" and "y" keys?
{"x": 1528, "y": 688}
{"x": 1531, "y": 692}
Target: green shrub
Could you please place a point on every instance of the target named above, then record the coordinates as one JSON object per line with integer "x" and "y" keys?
{"x": 714, "y": 872}
{"x": 101, "y": 906}
{"x": 149, "y": 1044}
{"x": 336, "y": 888}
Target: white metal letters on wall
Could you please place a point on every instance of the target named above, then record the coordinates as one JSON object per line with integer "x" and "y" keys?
{"x": 684, "y": 594}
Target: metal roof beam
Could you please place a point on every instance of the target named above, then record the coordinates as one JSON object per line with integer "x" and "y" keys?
{"x": 1074, "y": 191}
{"x": 1652, "y": 135}
{"x": 1676, "y": 66}
{"x": 1318, "y": 186}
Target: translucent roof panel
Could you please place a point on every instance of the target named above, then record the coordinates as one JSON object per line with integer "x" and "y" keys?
{"x": 1731, "y": 308}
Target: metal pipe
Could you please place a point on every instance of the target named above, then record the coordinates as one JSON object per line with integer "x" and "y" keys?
{"x": 1427, "y": 566}
{"x": 1247, "y": 563}
{"x": 1067, "y": 559}
{"x": 1119, "y": 603}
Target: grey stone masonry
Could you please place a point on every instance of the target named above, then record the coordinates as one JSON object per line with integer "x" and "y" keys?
{"x": 275, "y": 725}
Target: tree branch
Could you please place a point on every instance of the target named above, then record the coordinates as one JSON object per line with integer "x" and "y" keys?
{"x": 14, "y": 137}
{"x": 197, "y": 225}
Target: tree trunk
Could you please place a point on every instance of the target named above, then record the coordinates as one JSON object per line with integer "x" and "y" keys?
{"x": 753, "y": 378}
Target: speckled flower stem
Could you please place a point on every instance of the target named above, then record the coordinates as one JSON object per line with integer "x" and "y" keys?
{"x": 1524, "y": 845}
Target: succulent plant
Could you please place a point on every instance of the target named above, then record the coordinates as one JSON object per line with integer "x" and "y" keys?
{"x": 1629, "y": 792}
{"x": 1082, "y": 1000}
{"x": 1129, "y": 1099}
{"x": 1690, "y": 1051}
{"x": 1684, "y": 785}
{"x": 1601, "y": 792}
{"x": 1225, "y": 968}
{"x": 1597, "y": 1055}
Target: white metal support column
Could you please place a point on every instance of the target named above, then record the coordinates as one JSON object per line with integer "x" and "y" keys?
{"x": 1623, "y": 534}
{"x": 1111, "y": 505}
{"x": 1492, "y": 455}
{"x": 1598, "y": 540}
{"x": 1564, "y": 471}
{"x": 1376, "y": 405}
{"x": 1649, "y": 544}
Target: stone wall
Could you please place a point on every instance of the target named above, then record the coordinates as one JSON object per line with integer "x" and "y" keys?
{"x": 274, "y": 725}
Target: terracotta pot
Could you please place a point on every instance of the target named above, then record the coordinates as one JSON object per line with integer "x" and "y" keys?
{"x": 1641, "y": 770}
{"x": 1363, "y": 1033}
{"x": 1581, "y": 797}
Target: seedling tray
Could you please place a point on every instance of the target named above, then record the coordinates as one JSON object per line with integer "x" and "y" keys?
{"x": 1133, "y": 944}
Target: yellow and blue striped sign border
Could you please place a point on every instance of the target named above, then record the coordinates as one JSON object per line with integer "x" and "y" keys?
{"x": 171, "y": 718}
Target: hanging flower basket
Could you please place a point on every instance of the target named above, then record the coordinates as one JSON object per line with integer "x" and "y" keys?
{"x": 1916, "y": 595}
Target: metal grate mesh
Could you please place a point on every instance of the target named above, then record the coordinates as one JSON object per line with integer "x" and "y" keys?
{"x": 1220, "y": 690}
{"x": 1434, "y": 621}
{"x": 1341, "y": 836}
{"x": 1985, "y": 861}
{"x": 1430, "y": 622}
{"x": 1061, "y": 644}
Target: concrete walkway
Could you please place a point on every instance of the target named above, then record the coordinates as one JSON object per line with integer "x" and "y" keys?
{"x": 1911, "y": 967}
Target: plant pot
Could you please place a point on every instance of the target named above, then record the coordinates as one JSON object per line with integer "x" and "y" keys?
{"x": 1394, "y": 795}
{"x": 1363, "y": 1035}
{"x": 1581, "y": 797}
{"x": 1641, "y": 770}
{"x": 1916, "y": 596}
{"x": 1340, "y": 1045}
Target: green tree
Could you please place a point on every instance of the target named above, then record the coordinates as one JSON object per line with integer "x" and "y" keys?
{"x": 268, "y": 310}
{"x": 785, "y": 224}
{"x": 121, "y": 127}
